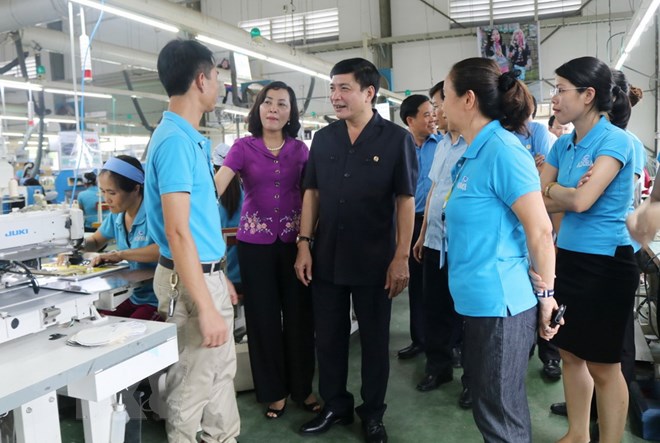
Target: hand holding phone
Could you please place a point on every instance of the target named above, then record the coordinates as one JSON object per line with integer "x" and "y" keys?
{"x": 557, "y": 316}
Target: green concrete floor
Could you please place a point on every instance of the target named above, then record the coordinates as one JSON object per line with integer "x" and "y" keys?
{"x": 411, "y": 416}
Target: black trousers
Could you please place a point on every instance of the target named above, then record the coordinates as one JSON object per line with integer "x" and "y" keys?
{"x": 416, "y": 290}
{"x": 547, "y": 350}
{"x": 443, "y": 327}
{"x": 278, "y": 315}
{"x": 332, "y": 320}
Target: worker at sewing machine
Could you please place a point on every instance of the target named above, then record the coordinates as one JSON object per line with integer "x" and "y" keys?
{"x": 121, "y": 183}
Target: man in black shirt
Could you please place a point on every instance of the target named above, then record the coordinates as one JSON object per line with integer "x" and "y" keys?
{"x": 359, "y": 208}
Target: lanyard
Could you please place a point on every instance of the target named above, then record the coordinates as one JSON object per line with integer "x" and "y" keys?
{"x": 463, "y": 161}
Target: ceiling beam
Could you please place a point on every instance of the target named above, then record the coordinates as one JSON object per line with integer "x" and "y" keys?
{"x": 462, "y": 32}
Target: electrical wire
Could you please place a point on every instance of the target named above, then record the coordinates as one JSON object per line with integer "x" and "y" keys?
{"x": 82, "y": 102}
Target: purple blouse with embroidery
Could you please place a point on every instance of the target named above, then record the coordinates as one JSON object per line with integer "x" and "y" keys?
{"x": 273, "y": 196}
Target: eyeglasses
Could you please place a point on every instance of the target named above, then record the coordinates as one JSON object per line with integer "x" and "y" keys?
{"x": 558, "y": 91}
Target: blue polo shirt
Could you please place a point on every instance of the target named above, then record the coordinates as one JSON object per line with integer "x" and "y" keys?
{"x": 113, "y": 227}
{"x": 601, "y": 228}
{"x": 425, "y": 155}
{"x": 179, "y": 160}
{"x": 539, "y": 140}
{"x": 487, "y": 253}
{"x": 446, "y": 156}
{"x": 87, "y": 201}
{"x": 640, "y": 154}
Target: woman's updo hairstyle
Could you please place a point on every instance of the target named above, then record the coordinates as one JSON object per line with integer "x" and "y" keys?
{"x": 499, "y": 96}
{"x": 589, "y": 72}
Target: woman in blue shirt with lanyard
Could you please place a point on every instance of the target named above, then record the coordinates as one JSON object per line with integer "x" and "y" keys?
{"x": 497, "y": 227}
{"x": 596, "y": 272}
{"x": 121, "y": 181}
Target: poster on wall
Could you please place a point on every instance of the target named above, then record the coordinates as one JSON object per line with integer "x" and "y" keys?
{"x": 513, "y": 46}
{"x": 72, "y": 150}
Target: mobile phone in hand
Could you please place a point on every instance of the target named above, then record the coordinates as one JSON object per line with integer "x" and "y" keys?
{"x": 557, "y": 316}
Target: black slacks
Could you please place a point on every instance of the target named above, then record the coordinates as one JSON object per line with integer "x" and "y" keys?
{"x": 416, "y": 290}
{"x": 332, "y": 321}
{"x": 279, "y": 320}
{"x": 443, "y": 327}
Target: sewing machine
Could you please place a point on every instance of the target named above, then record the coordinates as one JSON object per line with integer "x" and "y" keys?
{"x": 40, "y": 308}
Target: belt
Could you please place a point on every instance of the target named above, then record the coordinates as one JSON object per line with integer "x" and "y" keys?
{"x": 419, "y": 215}
{"x": 207, "y": 268}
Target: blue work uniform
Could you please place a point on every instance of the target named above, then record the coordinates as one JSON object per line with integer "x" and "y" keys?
{"x": 488, "y": 260}
{"x": 425, "y": 155}
{"x": 606, "y": 217}
{"x": 180, "y": 161}
{"x": 539, "y": 140}
{"x": 446, "y": 156}
{"x": 138, "y": 237}
{"x": 87, "y": 201}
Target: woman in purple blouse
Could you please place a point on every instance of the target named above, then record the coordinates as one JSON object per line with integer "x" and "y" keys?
{"x": 278, "y": 308}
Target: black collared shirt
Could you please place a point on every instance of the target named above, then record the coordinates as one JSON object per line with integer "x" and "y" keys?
{"x": 355, "y": 238}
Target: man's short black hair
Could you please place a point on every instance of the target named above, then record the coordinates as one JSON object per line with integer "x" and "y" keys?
{"x": 180, "y": 61}
{"x": 410, "y": 106}
{"x": 366, "y": 74}
{"x": 551, "y": 121}
{"x": 438, "y": 87}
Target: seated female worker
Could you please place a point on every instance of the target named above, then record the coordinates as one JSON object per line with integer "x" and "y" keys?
{"x": 121, "y": 183}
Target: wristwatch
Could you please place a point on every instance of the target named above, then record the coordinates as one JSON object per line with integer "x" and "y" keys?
{"x": 300, "y": 238}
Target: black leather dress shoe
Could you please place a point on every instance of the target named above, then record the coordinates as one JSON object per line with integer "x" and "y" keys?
{"x": 559, "y": 409}
{"x": 552, "y": 370}
{"x": 465, "y": 399}
{"x": 324, "y": 421}
{"x": 374, "y": 431}
{"x": 409, "y": 351}
{"x": 430, "y": 382}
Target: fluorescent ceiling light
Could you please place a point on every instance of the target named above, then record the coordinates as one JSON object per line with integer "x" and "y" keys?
{"x": 20, "y": 85}
{"x": 235, "y": 111}
{"x": 637, "y": 33}
{"x": 230, "y": 47}
{"x": 78, "y": 93}
{"x": 314, "y": 122}
{"x": 13, "y": 118}
{"x": 128, "y": 15}
{"x": 275, "y": 61}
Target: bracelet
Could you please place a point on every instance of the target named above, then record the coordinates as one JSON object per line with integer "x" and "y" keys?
{"x": 545, "y": 294}
{"x": 547, "y": 189}
{"x": 300, "y": 238}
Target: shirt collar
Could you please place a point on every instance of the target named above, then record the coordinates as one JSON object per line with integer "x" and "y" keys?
{"x": 186, "y": 127}
{"x": 481, "y": 138}
{"x": 447, "y": 139}
{"x": 140, "y": 217}
{"x": 592, "y": 135}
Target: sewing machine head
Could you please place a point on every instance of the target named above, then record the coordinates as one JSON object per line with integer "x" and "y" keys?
{"x": 40, "y": 232}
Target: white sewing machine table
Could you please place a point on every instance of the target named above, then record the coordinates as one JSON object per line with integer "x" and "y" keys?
{"x": 35, "y": 366}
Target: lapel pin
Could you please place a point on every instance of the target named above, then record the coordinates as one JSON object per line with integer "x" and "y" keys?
{"x": 376, "y": 158}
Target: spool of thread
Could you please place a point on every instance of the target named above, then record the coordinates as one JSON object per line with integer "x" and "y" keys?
{"x": 13, "y": 187}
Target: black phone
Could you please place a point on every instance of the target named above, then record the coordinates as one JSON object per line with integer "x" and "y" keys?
{"x": 557, "y": 316}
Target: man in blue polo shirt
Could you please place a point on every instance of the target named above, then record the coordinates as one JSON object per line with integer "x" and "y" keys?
{"x": 417, "y": 113}
{"x": 183, "y": 218}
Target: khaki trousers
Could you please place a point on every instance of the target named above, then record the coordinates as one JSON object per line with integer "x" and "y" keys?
{"x": 200, "y": 386}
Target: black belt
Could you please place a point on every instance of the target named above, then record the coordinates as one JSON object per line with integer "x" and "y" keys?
{"x": 419, "y": 215}
{"x": 207, "y": 268}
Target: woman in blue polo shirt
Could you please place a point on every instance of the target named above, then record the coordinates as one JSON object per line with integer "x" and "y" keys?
{"x": 495, "y": 220}
{"x": 121, "y": 181}
{"x": 596, "y": 272}
{"x": 88, "y": 199}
